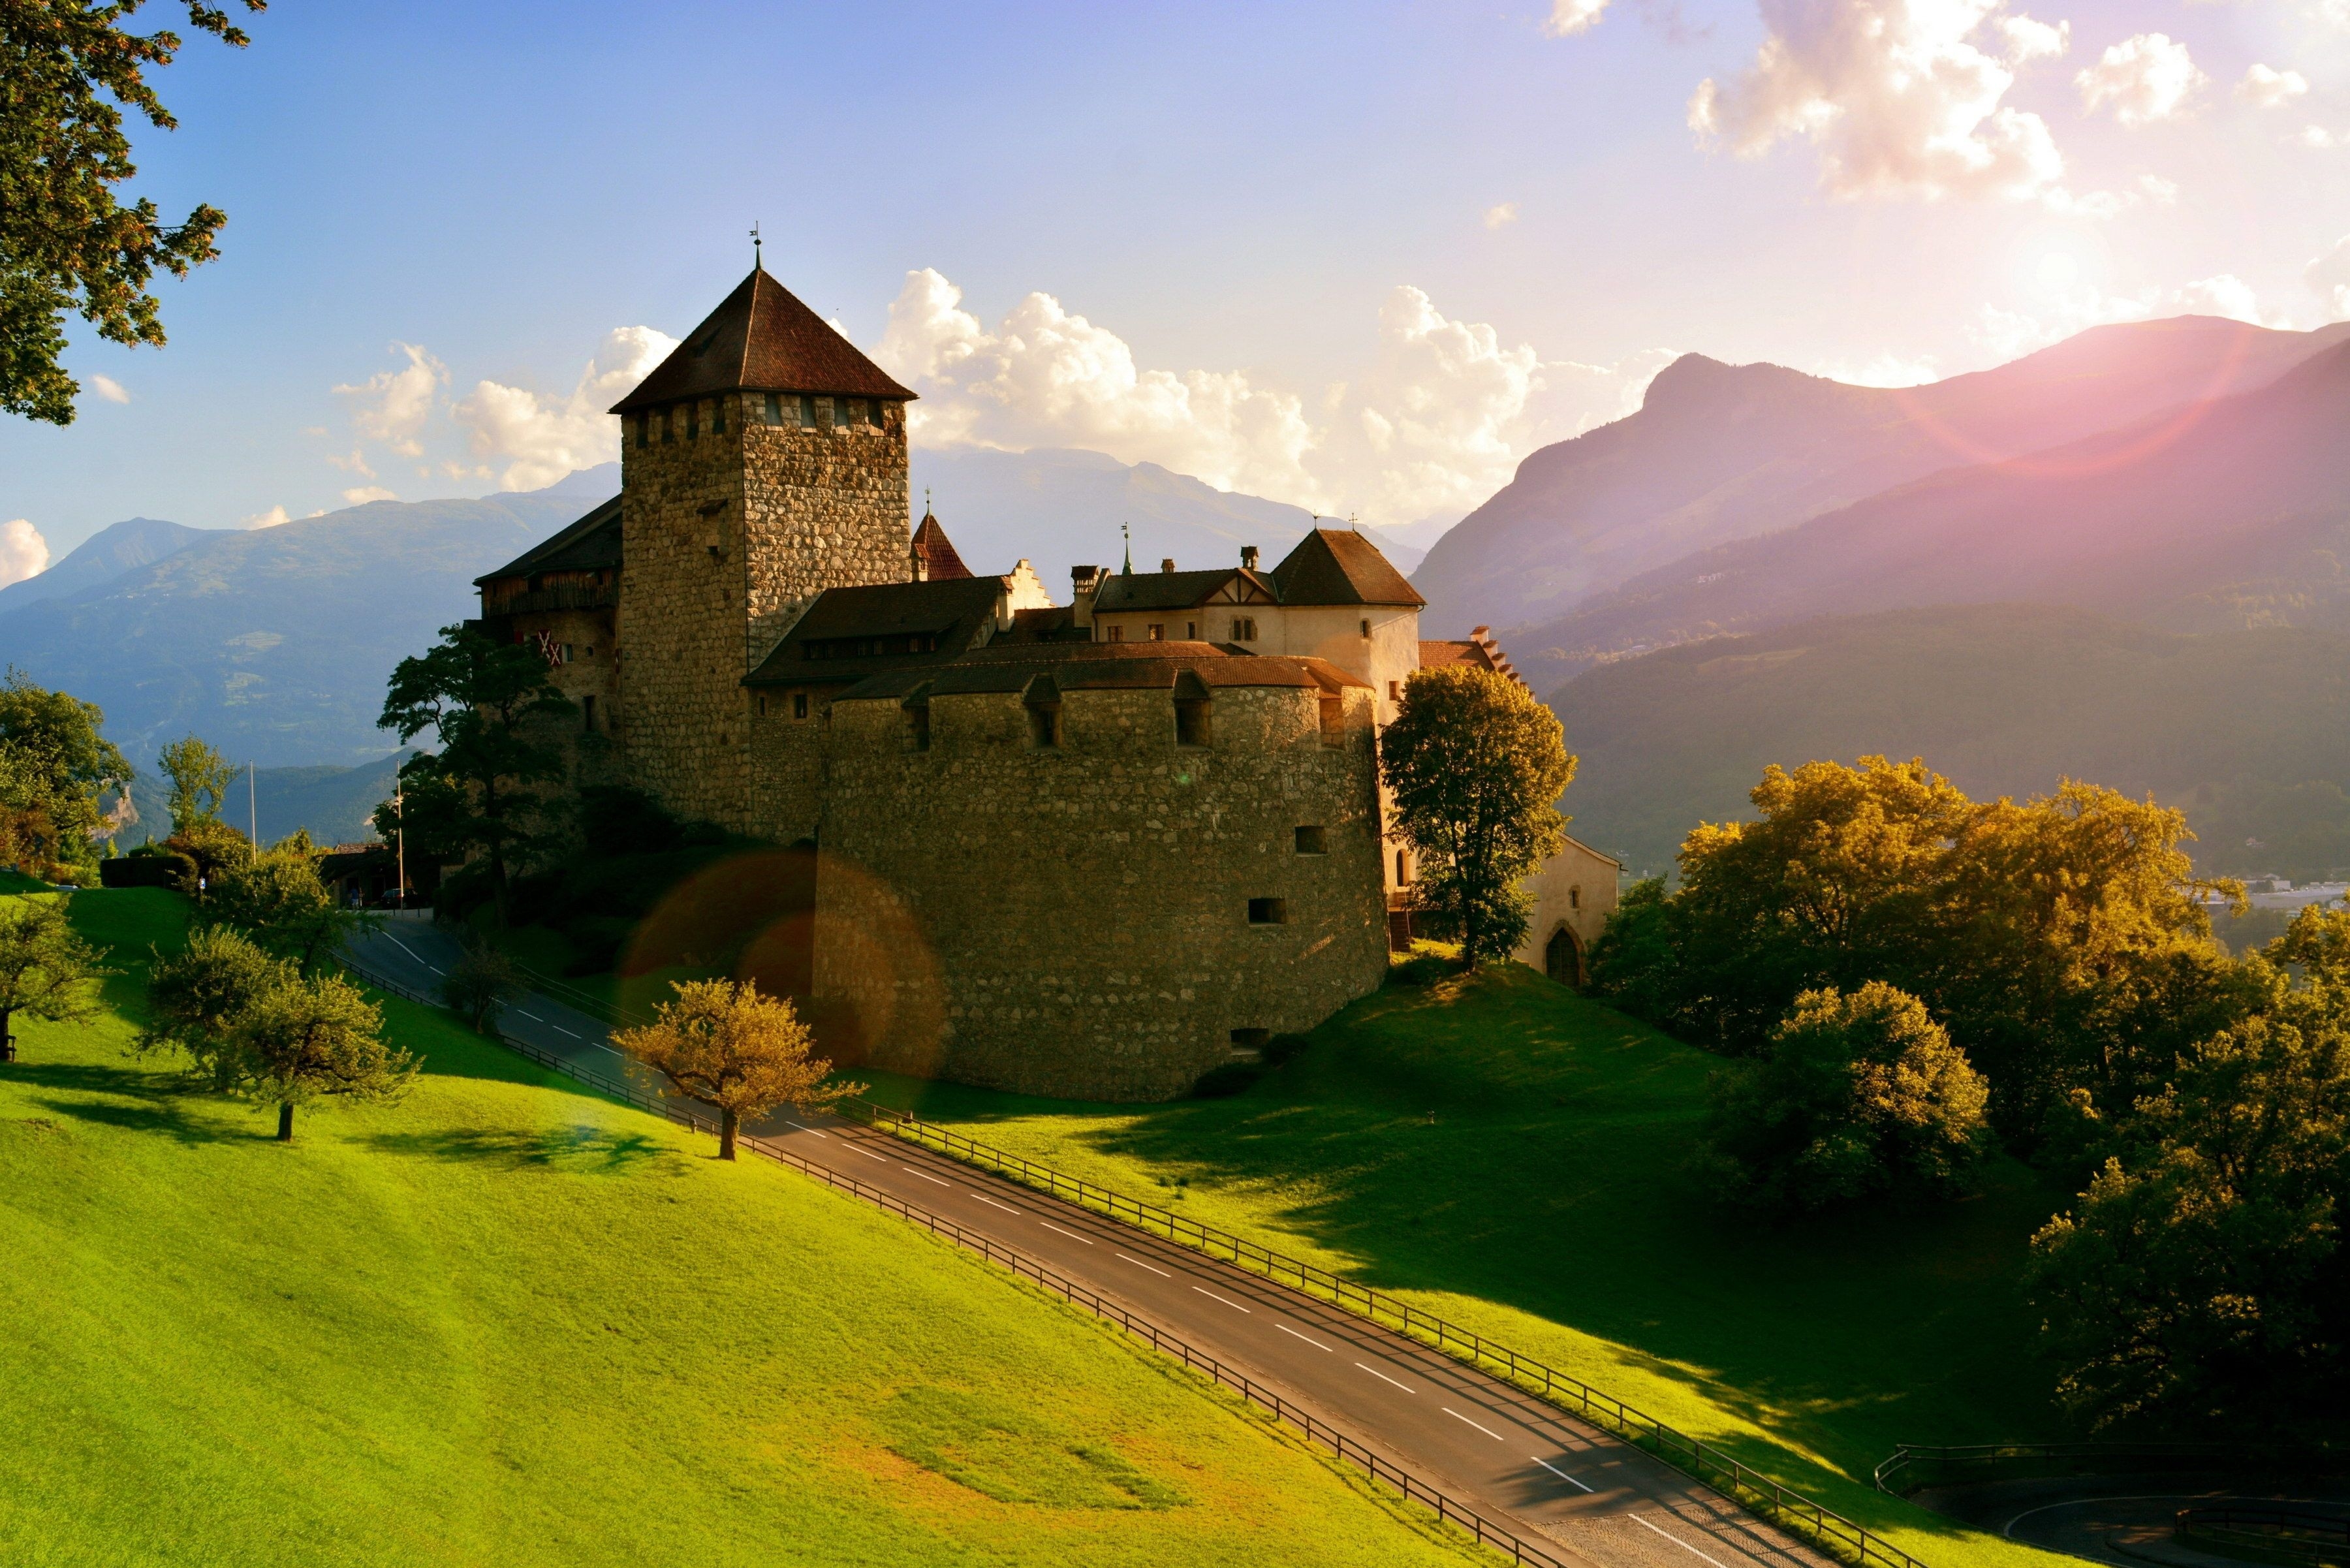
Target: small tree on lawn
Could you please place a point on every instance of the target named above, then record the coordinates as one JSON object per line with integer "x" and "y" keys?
{"x": 200, "y": 779}
{"x": 45, "y": 971}
{"x": 741, "y": 1053}
{"x": 312, "y": 1039}
{"x": 279, "y": 900}
{"x": 197, "y": 997}
{"x": 480, "y": 984}
{"x": 1476, "y": 766}
{"x": 483, "y": 699}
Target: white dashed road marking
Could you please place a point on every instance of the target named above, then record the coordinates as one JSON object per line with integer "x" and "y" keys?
{"x": 991, "y": 1203}
{"x": 805, "y": 1128}
{"x": 1140, "y": 1264}
{"x": 925, "y": 1175}
{"x": 870, "y": 1155}
{"x": 1676, "y": 1541}
{"x": 1071, "y": 1235}
{"x": 1214, "y": 1297}
{"x": 1464, "y": 1420}
{"x": 1559, "y": 1473}
{"x": 1306, "y": 1337}
{"x": 1384, "y": 1378}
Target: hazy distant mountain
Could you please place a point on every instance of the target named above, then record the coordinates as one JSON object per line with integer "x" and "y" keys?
{"x": 2241, "y": 729}
{"x": 1719, "y": 452}
{"x": 2228, "y": 514}
{"x": 103, "y": 557}
{"x": 1061, "y": 507}
{"x": 333, "y": 803}
{"x": 273, "y": 643}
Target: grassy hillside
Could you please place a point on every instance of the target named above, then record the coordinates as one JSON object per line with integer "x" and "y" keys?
{"x": 2004, "y": 698}
{"x": 1511, "y": 1156}
{"x": 506, "y": 1322}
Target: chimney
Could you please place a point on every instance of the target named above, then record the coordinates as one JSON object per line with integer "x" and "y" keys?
{"x": 1248, "y": 557}
{"x": 1168, "y": 564}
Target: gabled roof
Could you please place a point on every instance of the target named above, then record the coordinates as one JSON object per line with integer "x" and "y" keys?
{"x": 1478, "y": 649}
{"x": 939, "y": 561}
{"x": 1175, "y": 590}
{"x": 590, "y": 545}
{"x": 957, "y": 613}
{"x": 1339, "y": 567}
{"x": 762, "y": 339}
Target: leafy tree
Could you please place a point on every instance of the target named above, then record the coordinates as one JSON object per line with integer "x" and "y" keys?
{"x": 309, "y": 1039}
{"x": 279, "y": 899}
{"x": 67, "y": 69}
{"x": 197, "y": 997}
{"x": 1476, "y": 766}
{"x": 200, "y": 779}
{"x": 215, "y": 848}
{"x": 724, "y": 1044}
{"x": 2200, "y": 1280}
{"x": 480, "y": 983}
{"x": 46, "y": 969}
{"x": 59, "y": 761}
{"x": 1861, "y": 1092}
{"x": 486, "y": 701}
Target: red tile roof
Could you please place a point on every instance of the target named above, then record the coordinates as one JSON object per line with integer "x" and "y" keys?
{"x": 939, "y": 561}
{"x": 762, "y": 339}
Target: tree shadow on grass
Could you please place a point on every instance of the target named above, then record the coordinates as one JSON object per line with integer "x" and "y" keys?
{"x": 155, "y": 1103}
{"x": 585, "y": 1150}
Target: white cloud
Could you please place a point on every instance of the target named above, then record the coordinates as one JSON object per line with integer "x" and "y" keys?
{"x": 2148, "y": 188}
{"x": 2329, "y": 275}
{"x": 108, "y": 388}
{"x": 1568, "y": 17}
{"x": 1438, "y": 419}
{"x": 391, "y": 406}
{"x": 23, "y": 552}
{"x": 2323, "y": 139}
{"x": 1501, "y": 216}
{"x": 2268, "y": 88}
{"x": 540, "y": 440}
{"x": 2146, "y": 79}
{"x": 1902, "y": 98}
{"x": 269, "y": 519}
{"x": 366, "y": 493}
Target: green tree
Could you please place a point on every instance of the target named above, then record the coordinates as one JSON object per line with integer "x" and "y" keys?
{"x": 480, "y": 983}
{"x": 1476, "y": 767}
{"x": 487, "y": 702}
{"x": 724, "y": 1044}
{"x": 1861, "y": 1092}
{"x": 200, "y": 779}
{"x": 279, "y": 899}
{"x": 2200, "y": 1280}
{"x": 197, "y": 997}
{"x": 311, "y": 1039}
{"x": 46, "y": 969}
{"x": 62, "y": 761}
{"x": 68, "y": 70}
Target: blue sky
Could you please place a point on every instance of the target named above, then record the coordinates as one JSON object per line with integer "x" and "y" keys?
{"x": 1362, "y": 257}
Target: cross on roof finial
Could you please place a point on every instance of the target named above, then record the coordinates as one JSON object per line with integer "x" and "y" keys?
{"x": 926, "y": 501}
{"x": 1129, "y": 532}
{"x": 756, "y": 264}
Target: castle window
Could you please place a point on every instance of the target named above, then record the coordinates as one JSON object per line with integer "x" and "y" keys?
{"x": 1331, "y": 709}
{"x": 1158, "y": 632}
{"x": 644, "y": 425}
{"x": 1043, "y": 701}
{"x": 1574, "y": 897}
{"x": 773, "y": 408}
{"x": 1192, "y": 709}
{"x": 587, "y": 714}
{"x": 807, "y": 412}
{"x": 668, "y": 418}
{"x": 693, "y": 419}
{"x": 1367, "y": 629}
{"x": 1248, "y": 1044}
{"x": 1310, "y": 841}
{"x": 1243, "y": 629}
{"x": 799, "y": 704}
{"x": 717, "y": 416}
{"x": 1403, "y": 869}
{"x": 917, "y": 724}
{"x": 1190, "y": 631}
{"x": 1118, "y": 634}
{"x": 762, "y": 704}
{"x": 1268, "y": 911}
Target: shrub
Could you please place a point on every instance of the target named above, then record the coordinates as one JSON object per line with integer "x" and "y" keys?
{"x": 1860, "y": 1093}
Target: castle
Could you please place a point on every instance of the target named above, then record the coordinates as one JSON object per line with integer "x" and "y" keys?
{"x": 1090, "y": 849}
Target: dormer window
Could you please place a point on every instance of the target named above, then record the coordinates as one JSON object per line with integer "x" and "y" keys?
{"x": 1192, "y": 710}
{"x": 1043, "y": 701}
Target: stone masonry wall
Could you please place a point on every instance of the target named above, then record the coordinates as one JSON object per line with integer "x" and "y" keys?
{"x": 787, "y": 765}
{"x": 1074, "y": 921}
{"x": 723, "y": 535}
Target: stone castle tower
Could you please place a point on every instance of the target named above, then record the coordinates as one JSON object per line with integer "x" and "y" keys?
{"x": 762, "y": 463}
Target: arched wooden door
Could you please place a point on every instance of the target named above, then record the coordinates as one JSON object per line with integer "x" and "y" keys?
{"x": 1563, "y": 959}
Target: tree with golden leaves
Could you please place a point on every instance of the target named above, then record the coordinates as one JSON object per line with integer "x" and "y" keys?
{"x": 724, "y": 1046}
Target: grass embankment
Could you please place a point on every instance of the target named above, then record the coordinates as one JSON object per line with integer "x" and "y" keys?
{"x": 505, "y": 1321}
{"x": 1546, "y": 1205}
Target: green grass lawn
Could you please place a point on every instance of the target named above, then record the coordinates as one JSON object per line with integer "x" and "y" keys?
{"x": 1511, "y": 1156}
{"x": 504, "y": 1321}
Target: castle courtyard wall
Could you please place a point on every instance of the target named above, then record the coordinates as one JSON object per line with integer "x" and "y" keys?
{"x": 1074, "y": 921}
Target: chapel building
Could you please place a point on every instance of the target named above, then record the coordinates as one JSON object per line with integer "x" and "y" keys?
{"x": 1089, "y": 849}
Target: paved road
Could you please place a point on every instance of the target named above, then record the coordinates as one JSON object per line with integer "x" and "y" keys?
{"x": 2123, "y": 1520}
{"x": 1521, "y": 1462}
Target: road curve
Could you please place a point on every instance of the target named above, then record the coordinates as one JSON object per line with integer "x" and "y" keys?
{"x": 1522, "y": 1463}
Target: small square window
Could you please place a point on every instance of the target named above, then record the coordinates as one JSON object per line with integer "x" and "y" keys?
{"x": 773, "y": 408}
{"x": 1045, "y": 725}
{"x": 1191, "y": 717}
{"x": 1190, "y": 631}
{"x": 807, "y": 412}
{"x": 1367, "y": 629}
{"x": 1248, "y": 1044}
{"x": 762, "y": 704}
{"x": 1394, "y": 690}
{"x": 1310, "y": 841}
{"x": 1158, "y": 633}
{"x": 799, "y": 704}
{"x": 917, "y": 726}
{"x": 1268, "y": 911}
{"x": 1118, "y": 634}
{"x": 717, "y": 416}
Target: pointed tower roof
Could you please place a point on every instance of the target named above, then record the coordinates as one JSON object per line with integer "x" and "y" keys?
{"x": 937, "y": 552}
{"x": 762, "y": 339}
{"x": 1339, "y": 567}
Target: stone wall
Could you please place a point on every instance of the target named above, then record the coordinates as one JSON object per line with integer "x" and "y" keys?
{"x": 724, "y": 535}
{"x": 1076, "y": 920}
{"x": 787, "y": 762}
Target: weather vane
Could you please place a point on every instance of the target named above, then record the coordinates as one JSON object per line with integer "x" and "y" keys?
{"x": 754, "y": 247}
